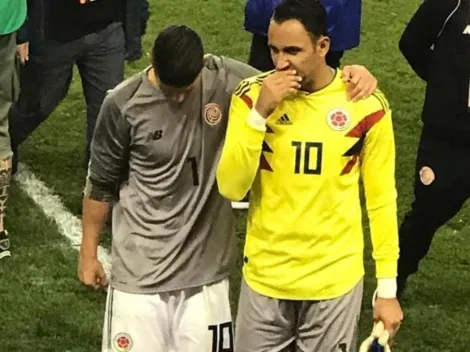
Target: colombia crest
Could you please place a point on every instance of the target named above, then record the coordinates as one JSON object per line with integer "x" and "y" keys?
{"x": 123, "y": 342}
{"x": 338, "y": 119}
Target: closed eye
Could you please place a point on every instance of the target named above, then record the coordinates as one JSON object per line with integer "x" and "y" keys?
{"x": 289, "y": 50}
{"x": 292, "y": 50}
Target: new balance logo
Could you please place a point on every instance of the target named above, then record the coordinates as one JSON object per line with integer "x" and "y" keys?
{"x": 156, "y": 135}
{"x": 284, "y": 120}
{"x": 466, "y": 30}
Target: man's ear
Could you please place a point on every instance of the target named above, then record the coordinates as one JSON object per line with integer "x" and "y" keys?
{"x": 323, "y": 45}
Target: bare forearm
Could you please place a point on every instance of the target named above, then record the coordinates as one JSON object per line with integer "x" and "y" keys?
{"x": 95, "y": 214}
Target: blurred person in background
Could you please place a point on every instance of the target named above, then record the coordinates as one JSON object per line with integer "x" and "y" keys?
{"x": 12, "y": 16}
{"x": 436, "y": 44}
{"x": 137, "y": 13}
{"x": 61, "y": 34}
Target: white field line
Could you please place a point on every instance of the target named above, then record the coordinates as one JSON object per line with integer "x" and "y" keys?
{"x": 69, "y": 225}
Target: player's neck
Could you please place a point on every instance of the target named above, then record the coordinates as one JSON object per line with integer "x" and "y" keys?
{"x": 322, "y": 78}
{"x": 152, "y": 76}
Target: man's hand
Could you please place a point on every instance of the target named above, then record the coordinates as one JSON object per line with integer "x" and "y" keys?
{"x": 275, "y": 88}
{"x": 361, "y": 83}
{"x": 22, "y": 51}
{"x": 91, "y": 272}
{"x": 388, "y": 311}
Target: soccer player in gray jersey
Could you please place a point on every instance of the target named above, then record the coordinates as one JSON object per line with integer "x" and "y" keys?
{"x": 155, "y": 152}
{"x": 156, "y": 145}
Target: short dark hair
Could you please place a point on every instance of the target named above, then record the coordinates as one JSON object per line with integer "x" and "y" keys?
{"x": 310, "y": 13}
{"x": 178, "y": 56}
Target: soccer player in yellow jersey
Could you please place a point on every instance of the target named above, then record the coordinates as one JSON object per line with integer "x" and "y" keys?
{"x": 301, "y": 146}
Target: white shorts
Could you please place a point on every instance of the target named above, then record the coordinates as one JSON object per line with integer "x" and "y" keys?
{"x": 197, "y": 319}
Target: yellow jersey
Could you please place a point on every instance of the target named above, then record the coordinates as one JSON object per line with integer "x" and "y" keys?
{"x": 304, "y": 236}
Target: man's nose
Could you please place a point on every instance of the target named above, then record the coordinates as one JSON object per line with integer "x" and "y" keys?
{"x": 282, "y": 62}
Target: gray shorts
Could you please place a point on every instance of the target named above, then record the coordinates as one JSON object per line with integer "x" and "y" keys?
{"x": 271, "y": 325}
{"x": 9, "y": 88}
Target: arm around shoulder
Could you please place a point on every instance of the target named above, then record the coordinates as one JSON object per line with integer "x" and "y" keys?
{"x": 240, "y": 69}
{"x": 236, "y": 71}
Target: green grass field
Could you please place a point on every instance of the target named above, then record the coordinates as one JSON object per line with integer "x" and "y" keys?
{"x": 44, "y": 308}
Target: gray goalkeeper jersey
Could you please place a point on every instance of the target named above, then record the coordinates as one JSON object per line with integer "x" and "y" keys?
{"x": 171, "y": 228}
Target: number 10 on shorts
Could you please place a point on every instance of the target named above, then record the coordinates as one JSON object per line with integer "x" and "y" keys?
{"x": 222, "y": 337}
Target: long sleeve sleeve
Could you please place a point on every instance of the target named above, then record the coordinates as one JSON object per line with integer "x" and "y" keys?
{"x": 109, "y": 153}
{"x": 378, "y": 174}
{"x": 241, "y": 153}
{"x": 422, "y": 32}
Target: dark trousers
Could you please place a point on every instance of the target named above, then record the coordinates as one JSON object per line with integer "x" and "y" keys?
{"x": 135, "y": 26}
{"x": 46, "y": 78}
{"x": 436, "y": 203}
{"x": 9, "y": 89}
{"x": 260, "y": 55}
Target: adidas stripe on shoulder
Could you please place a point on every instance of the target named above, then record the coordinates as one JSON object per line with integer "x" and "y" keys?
{"x": 245, "y": 85}
{"x": 380, "y": 96}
